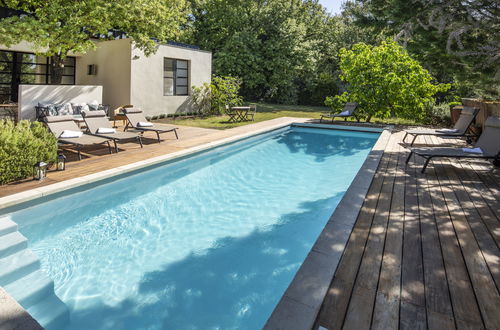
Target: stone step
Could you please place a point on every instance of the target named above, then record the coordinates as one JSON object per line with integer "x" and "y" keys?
{"x": 50, "y": 312}
{"x": 7, "y": 226}
{"x": 17, "y": 265}
{"x": 11, "y": 243}
{"x": 31, "y": 288}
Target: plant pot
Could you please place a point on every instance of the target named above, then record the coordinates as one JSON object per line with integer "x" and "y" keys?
{"x": 455, "y": 113}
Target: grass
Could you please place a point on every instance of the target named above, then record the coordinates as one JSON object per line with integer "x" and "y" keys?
{"x": 266, "y": 111}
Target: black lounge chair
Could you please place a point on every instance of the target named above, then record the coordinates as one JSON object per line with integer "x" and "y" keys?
{"x": 96, "y": 120}
{"x": 349, "y": 110}
{"x": 488, "y": 143}
{"x": 460, "y": 129}
{"x": 58, "y": 124}
{"x": 136, "y": 120}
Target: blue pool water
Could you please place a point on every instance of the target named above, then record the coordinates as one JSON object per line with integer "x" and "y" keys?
{"x": 208, "y": 242}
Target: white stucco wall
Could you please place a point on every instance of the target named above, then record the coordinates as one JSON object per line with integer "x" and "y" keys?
{"x": 31, "y": 95}
{"x": 23, "y": 46}
{"x": 113, "y": 71}
{"x": 147, "y": 78}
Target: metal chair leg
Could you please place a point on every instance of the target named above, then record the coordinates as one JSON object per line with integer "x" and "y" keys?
{"x": 140, "y": 141}
{"x": 409, "y": 156}
{"x": 116, "y": 146}
{"x": 404, "y": 138}
{"x": 176, "y": 136}
{"x": 158, "y": 136}
{"x": 427, "y": 160}
{"x": 109, "y": 147}
{"x": 413, "y": 141}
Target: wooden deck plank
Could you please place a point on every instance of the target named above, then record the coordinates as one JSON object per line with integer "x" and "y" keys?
{"x": 387, "y": 303}
{"x": 484, "y": 287}
{"x": 487, "y": 245}
{"x": 413, "y": 313}
{"x": 334, "y": 307}
{"x": 448, "y": 243}
{"x": 437, "y": 297}
{"x": 360, "y": 309}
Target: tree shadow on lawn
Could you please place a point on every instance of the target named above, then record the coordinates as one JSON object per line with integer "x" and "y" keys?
{"x": 234, "y": 284}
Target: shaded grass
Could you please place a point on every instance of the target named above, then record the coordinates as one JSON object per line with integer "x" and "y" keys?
{"x": 266, "y": 111}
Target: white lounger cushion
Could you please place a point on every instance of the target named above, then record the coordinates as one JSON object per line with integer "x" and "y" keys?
{"x": 447, "y": 130}
{"x": 70, "y": 134}
{"x": 144, "y": 124}
{"x": 473, "y": 150}
{"x": 106, "y": 130}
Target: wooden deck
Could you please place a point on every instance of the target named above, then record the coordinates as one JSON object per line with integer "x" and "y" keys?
{"x": 424, "y": 252}
{"x": 98, "y": 159}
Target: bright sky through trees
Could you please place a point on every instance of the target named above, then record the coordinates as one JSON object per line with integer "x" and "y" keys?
{"x": 332, "y": 6}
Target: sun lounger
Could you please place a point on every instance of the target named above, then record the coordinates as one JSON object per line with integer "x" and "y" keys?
{"x": 463, "y": 123}
{"x": 97, "y": 123}
{"x": 348, "y": 111}
{"x": 486, "y": 147}
{"x": 137, "y": 120}
{"x": 58, "y": 124}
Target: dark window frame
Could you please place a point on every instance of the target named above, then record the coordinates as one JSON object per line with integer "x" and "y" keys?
{"x": 175, "y": 77}
{"x": 15, "y": 70}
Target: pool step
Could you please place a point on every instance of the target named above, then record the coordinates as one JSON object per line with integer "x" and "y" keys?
{"x": 31, "y": 288}
{"x": 17, "y": 265}
{"x": 50, "y": 312}
{"x": 7, "y": 226}
{"x": 11, "y": 243}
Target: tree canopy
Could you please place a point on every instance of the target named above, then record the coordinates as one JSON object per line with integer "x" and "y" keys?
{"x": 59, "y": 27}
{"x": 284, "y": 51}
{"x": 458, "y": 41}
{"x": 385, "y": 81}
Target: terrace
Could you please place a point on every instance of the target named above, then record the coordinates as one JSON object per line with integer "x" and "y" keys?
{"x": 424, "y": 251}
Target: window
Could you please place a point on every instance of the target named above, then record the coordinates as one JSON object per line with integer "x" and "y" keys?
{"x": 25, "y": 68}
{"x": 175, "y": 77}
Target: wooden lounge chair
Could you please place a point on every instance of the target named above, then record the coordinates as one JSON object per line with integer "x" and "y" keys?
{"x": 135, "y": 117}
{"x": 460, "y": 129}
{"x": 349, "y": 110}
{"x": 58, "y": 124}
{"x": 95, "y": 120}
{"x": 488, "y": 144}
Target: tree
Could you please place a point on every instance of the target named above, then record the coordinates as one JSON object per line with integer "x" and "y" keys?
{"x": 457, "y": 40}
{"x": 57, "y": 28}
{"x": 385, "y": 81}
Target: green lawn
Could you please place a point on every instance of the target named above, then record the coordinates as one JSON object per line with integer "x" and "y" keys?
{"x": 267, "y": 111}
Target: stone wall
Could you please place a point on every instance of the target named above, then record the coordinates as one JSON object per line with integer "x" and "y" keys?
{"x": 486, "y": 109}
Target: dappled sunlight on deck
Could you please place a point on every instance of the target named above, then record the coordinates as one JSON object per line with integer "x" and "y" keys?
{"x": 424, "y": 252}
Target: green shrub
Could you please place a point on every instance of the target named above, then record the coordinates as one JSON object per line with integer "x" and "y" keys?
{"x": 437, "y": 114}
{"x": 337, "y": 102}
{"x": 386, "y": 82}
{"x": 211, "y": 99}
{"x": 21, "y": 146}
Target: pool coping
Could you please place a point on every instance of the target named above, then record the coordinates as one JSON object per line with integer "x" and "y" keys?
{"x": 302, "y": 300}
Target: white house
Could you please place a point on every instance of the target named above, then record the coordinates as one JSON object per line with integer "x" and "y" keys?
{"x": 158, "y": 84}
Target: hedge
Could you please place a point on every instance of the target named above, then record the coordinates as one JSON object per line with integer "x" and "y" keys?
{"x": 21, "y": 146}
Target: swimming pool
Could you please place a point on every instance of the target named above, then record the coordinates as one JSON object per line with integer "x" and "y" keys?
{"x": 209, "y": 241}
